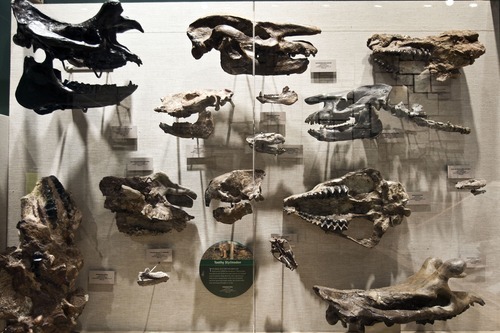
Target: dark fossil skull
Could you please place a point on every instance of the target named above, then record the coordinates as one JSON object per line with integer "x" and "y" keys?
{"x": 363, "y": 194}
{"x": 233, "y": 37}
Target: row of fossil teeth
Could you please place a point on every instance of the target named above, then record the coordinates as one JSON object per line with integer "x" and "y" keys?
{"x": 423, "y": 53}
{"x": 336, "y": 191}
{"x": 326, "y": 223}
{"x": 382, "y": 64}
{"x": 348, "y": 123}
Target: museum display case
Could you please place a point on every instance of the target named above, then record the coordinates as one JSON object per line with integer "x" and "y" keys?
{"x": 251, "y": 166}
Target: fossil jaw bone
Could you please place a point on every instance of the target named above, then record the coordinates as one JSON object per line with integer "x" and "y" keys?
{"x": 232, "y": 36}
{"x": 287, "y": 97}
{"x": 423, "y": 298}
{"x": 333, "y": 204}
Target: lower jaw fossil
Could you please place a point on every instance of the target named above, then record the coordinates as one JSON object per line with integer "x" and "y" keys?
{"x": 201, "y": 129}
{"x": 229, "y": 215}
{"x": 42, "y": 90}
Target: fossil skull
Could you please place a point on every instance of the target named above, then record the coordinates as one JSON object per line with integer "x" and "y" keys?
{"x": 237, "y": 188}
{"x": 364, "y": 194}
{"x": 234, "y": 38}
{"x": 286, "y": 97}
{"x": 443, "y": 55}
{"x": 192, "y": 102}
{"x": 423, "y": 298}
{"x": 282, "y": 251}
{"x": 147, "y": 205}
{"x": 474, "y": 185}
{"x": 267, "y": 143}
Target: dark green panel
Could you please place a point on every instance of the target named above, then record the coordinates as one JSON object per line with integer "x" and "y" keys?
{"x": 4, "y": 56}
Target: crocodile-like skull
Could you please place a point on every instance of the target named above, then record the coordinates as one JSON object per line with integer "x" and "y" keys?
{"x": 233, "y": 37}
{"x": 443, "y": 55}
{"x": 423, "y": 298}
{"x": 364, "y": 194}
{"x": 188, "y": 103}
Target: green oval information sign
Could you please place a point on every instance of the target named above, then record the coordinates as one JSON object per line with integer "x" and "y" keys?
{"x": 226, "y": 269}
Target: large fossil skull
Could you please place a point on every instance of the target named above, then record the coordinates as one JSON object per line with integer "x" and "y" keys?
{"x": 443, "y": 55}
{"x": 188, "y": 103}
{"x": 237, "y": 188}
{"x": 354, "y": 114}
{"x": 92, "y": 43}
{"x": 423, "y": 298}
{"x": 364, "y": 194}
{"x": 147, "y": 205}
{"x": 233, "y": 37}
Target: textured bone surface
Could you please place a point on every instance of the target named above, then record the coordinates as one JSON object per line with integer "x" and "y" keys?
{"x": 188, "y": 103}
{"x": 92, "y": 43}
{"x": 147, "y": 205}
{"x": 287, "y": 97}
{"x": 148, "y": 277}
{"x": 234, "y": 187}
{"x": 267, "y": 143}
{"x": 423, "y": 298}
{"x": 37, "y": 278}
{"x": 443, "y": 54}
{"x": 282, "y": 251}
{"x": 233, "y": 37}
{"x": 364, "y": 194}
{"x": 355, "y": 114}
{"x": 42, "y": 90}
{"x": 473, "y": 185}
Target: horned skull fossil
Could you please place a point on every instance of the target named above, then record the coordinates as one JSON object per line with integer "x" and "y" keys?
{"x": 267, "y": 143}
{"x": 423, "y": 298}
{"x": 234, "y": 38}
{"x": 188, "y": 103}
{"x": 443, "y": 55}
{"x": 364, "y": 194}
{"x": 147, "y": 205}
{"x": 237, "y": 187}
{"x": 354, "y": 114}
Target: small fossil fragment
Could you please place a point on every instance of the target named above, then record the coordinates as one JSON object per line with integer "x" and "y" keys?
{"x": 234, "y": 187}
{"x": 282, "y": 251}
{"x": 423, "y": 298}
{"x": 147, "y": 205}
{"x": 473, "y": 185}
{"x": 148, "y": 277}
{"x": 235, "y": 38}
{"x": 38, "y": 277}
{"x": 443, "y": 55}
{"x": 333, "y": 204}
{"x": 287, "y": 97}
{"x": 188, "y": 103}
{"x": 267, "y": 143}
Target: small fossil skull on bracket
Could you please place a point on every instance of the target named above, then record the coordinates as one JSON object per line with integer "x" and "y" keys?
{"x": 233, "y": 37}
{"x": 267, "y": 143}
{"x": 183, "y": 105}
{"x": 474, "y": 185}
{"x": 364, "y": 194}
{"x": 282, "y": 251}
{"x": 286, "y": 97}
{"x": 237, "y": 187}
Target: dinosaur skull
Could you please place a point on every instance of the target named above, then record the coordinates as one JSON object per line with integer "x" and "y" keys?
{"x": 423, "y": 298}
{"x": 147, "y": 205}
{"x": 234, "y": 38}
{"x": 267, "y": 143}
{"x": 351, "y": 115}
{"x": 185, "y": 104}
{"x": 443, "y": 55}
{"x": 237, "y": 188}
{"x": 364, "y": 194}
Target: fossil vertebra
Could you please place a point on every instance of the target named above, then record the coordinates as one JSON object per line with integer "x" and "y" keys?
{"x": 188, "y": 103}
{"x": 267, "y": 143}
{"x": 287, "y": 97}
{"x": 354, "y": 114}
{"x": 235, "y": 187}
{"x": 92, "y": 43}
{"x": 423, "y": 298}
{"x": 443, "y": 55}
{"x": 37, "y": 278}
{"x": 149, "y": 278}
{"x": 147, "y": 205}
{"x": 233, "y": 37}
{"x": 333, "y": 204}
{"x": 282, "y": 251}
{"x": 473, "y": 185}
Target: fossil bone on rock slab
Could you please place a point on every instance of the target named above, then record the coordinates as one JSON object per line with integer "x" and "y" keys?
{"x": 423, "y": 298}
{"x": 233, "y": 37}
{"x": 443, "y": 54}
{"x": 237, "y": 188}
{"x": 286, "y": 97}
{"x": 182, "y": 105}
{"x": 147, "y": 205}
{"x": 37, "y": 278}
{"x": 364, "y": 194}
{"x": 148, "y": 277}
{"x": 473, "y": 185}
{"x": 91, "y": 44}
{"x": 267, "y": 143}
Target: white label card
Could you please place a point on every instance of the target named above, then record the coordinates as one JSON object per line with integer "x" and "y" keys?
{"x": 101, "y": 277}
{"x": 459, "y": 172}
{"x": 418, "y": 198}
{"x": 123, "y": 132}
{"x": 140, "y": 164}
{"x": 159, "y": 255}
